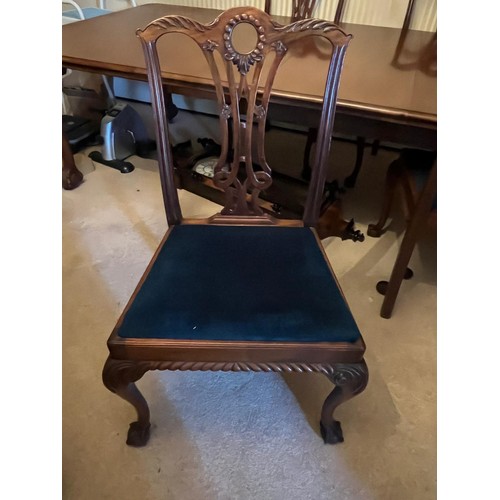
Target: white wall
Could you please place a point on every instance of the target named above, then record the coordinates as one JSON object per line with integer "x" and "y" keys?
{"x": 375, "y": 12}
{"x": 389, "y": 13}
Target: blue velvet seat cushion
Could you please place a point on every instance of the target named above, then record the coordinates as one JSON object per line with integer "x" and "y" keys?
{"x": 240, "y": 283}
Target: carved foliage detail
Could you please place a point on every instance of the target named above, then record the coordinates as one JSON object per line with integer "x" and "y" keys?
{"x": 244, "y": 61}
{"x": 118, "y": 373}
{"x": 210, "y": 45}
{"x": 354, "y": 375}
{"x": 260, "y": 112}
{"x": 279, "y": 47}
{"x": 226, "y": 111}
{"x": 309, "y": 25}
{"x": 182, "y": 23}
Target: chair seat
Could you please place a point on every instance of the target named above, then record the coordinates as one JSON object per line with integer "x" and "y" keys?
{"x": 212, "y": 282}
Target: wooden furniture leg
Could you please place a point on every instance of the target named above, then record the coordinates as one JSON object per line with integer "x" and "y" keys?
{"x": 375, "y": 147}
{"x": 350, "y": 181}
{"x": 391, "y": 181}
{"x": 119, "y": 377}
{"x": 71, "y": 176}
{"x": 172, "y": 109}
{"x": 312, "y": 136}
{"x": 349, "y": 379}
{"x": 332, "y": 223}
{"x": 418, "y": 221}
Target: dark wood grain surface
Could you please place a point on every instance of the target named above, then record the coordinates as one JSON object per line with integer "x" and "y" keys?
{"x": 370, "y": 84}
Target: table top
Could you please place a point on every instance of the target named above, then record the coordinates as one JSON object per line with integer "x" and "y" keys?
{"x": 370, "y": 82}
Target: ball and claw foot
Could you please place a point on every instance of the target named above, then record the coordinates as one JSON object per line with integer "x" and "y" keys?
{"x": 138, "y": 435}
{"x": 332, "y": 434}
{"x": 349, "y": 233}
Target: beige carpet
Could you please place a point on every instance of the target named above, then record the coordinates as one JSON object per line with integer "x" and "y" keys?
{"x": 232, "y": 436}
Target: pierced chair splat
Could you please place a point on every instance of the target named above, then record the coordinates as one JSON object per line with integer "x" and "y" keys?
{"x": 275, "y": 304}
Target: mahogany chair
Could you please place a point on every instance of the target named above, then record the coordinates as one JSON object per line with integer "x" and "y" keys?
{"x": 275, "y": 304}
{"x": 415, "y": 172}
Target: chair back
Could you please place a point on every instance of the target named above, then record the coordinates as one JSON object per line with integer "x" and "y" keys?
{"x": 302, "y": 9}
{"x": 243, "y": 86}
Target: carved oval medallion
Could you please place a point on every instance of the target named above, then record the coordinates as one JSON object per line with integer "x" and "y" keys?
{"x": 246, "y": 56}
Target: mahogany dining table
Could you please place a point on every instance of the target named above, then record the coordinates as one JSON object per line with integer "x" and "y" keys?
{"x": 388, "y": 85}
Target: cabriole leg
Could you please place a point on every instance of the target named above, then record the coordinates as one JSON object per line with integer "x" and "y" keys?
{"x": 393, "y": 175}
{"x": 119, "y": 377}
{"x": 349, "y": 380}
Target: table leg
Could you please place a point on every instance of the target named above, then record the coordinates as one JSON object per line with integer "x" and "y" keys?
{"x": 171, "y": 108}
{"x": 71, "y": 176}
